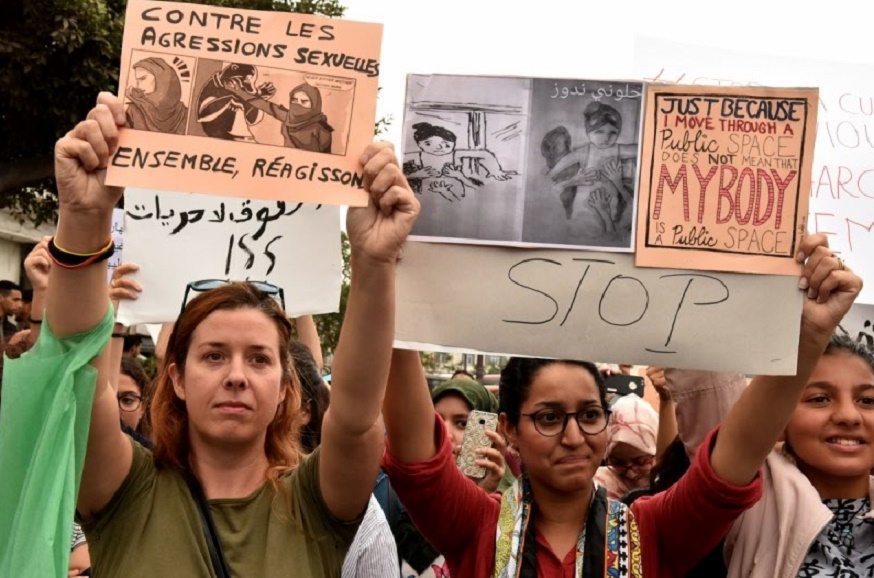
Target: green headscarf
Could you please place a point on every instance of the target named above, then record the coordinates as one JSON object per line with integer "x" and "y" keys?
{"x": 476, "y": 395}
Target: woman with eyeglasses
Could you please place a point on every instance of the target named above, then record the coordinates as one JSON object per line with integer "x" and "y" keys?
{"x": 556, "y": 521}
{"x": 226, "y": 491}
{"x": 133, "y": 386}
{"x": 631, "y": 446}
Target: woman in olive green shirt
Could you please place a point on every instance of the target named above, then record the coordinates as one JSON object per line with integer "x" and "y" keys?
{"x": 227, "y": 403}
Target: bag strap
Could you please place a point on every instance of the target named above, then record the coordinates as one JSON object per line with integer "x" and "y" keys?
{"x": 219, "y": 564}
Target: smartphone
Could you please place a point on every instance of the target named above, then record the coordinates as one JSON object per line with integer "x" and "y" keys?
{"x": 624, "y": 384}
{"x": 478, "y": 422}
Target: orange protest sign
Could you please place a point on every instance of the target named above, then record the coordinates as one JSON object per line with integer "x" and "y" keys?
{"x": 264, "y": 105}
{"x": 725, "y": 177}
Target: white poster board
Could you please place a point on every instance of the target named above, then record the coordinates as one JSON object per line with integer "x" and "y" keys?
{"x": 595, "y": 306}
{"x": 177, "y": 238}
{"x": 118, "y": 239}
{"x": 842, "y": 191}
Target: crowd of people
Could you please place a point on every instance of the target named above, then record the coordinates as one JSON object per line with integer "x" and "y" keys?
{"x": 237, "y": 459}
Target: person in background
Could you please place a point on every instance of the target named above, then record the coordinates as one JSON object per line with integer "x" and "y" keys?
{"x": 631, "y": 447}
{"x": 10, "y": 306}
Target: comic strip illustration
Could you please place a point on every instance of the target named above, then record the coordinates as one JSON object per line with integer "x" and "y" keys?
{"x": 524, "y": 161}
{"x": 583, "y": 159}
{"x": 463, "y": 149}
{"x": 239, "y": 102}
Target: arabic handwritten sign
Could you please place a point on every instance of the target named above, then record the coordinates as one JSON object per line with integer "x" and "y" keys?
{"x": 724, "y": 177}
{"x": 268, "y": 105}
{"x": 842, "y": 192}
{"x": 177, "y": 238}
{"x": 596, "y": 306}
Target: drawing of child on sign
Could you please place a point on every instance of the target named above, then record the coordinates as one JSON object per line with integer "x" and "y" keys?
{"x": 304, "y": 126}
{"x": 154, "y": 97}
{"x": 221, "y": 110}
{"x": 438, "y": 164}
{"x": 588, "y": 180}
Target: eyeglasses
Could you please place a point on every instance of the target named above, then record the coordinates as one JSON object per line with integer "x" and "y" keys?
{"x": 129, "y": 402}
{"x": 207, "y": 284}
{"x": 621, "y": 465}
{"x": 552, "y": 422}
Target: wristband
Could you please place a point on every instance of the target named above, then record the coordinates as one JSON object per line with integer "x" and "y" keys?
{"x": 71, "y": 260}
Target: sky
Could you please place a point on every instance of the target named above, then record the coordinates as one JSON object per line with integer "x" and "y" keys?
{"x": 592, "y": 39}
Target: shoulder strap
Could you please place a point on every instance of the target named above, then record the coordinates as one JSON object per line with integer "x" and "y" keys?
{"x": 219, "y": 564}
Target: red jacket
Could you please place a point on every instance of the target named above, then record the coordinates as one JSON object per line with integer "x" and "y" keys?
{"x": 677, "y": 527}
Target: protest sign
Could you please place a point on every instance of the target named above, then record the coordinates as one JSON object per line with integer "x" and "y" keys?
{"x": 724, "y": 177}
{"x": 859, "y": 324}
{"x": 268, "y": 105}
{"x": 118, "y": 239}
{"x": 842, "y": 192}
{"x": 596, "y": 306}
{"x": 523, "y": 161}
{"x": 179, "y": 238}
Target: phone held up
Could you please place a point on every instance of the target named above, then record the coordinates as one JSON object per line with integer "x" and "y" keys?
{"x": 478, "y": 422}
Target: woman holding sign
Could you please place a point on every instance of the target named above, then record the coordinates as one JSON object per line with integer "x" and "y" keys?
{"x": 227, "y": 491}
{"x": 555, "y": 520}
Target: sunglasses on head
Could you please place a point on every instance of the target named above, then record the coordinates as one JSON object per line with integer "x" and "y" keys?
{"x": 208, "y": 284}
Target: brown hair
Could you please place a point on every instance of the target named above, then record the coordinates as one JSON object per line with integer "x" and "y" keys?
{"x": 169, "y": 418}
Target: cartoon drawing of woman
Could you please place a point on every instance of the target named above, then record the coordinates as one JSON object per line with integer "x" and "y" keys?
{"x": 597, "y": 201}
{"x": 439, "y": 161}
{"x": 154, "y": 96}
{"x": 304, "y": 126}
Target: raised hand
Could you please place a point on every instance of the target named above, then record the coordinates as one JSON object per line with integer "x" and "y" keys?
{"x": 266, "y": 90}
{"x": 492, "y": 459}
{"x": 123, "y": 287}
{"x": 831, "y": 287}
{"x": 81, "y": 158}
{"x": 38, "y": 264}
{"x": 377, "y": 231}
{"x": 613, "y": 172}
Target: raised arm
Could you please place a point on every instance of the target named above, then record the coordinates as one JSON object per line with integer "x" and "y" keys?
{"x": 667, "y": 415}
{"x": 120, "y": 287}
{"x": 36, "y": 266}
{"x": 353, "y": 438}
{"x": 77, "y": 299}
{"x": 408, "y": 410}
{"x": 308, "y": 334}
{"x": 756, "y": 421}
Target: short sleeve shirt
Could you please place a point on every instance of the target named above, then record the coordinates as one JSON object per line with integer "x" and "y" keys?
{"x": 151, "y": 527}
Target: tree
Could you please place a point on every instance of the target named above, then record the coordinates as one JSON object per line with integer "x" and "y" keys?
{"x": 54, "y": 59}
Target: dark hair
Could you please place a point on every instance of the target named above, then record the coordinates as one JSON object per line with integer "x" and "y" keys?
{"x": 27, "y": 296}
{"x": 519, "y": 373}
{"x": 134, "y": 370}
{"x": 169, "y": 416}
{"x": 131, "y": 341}
{"x": 845, "y": 344}
{"x": 7, "y": 287}
{"x": 311, "y": 394}
{"x": 669, "y": 467}
{"x": 462, "y": 372}
{"x": 423, "y": 130}
{"x": 598, "y": 114}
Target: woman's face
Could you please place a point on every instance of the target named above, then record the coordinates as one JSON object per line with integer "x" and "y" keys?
{"x": 630, "y": 464}
{"x": 604, "y": 136}
{"x": 144, "y": 80}
{"x": 831, "y": 431}
{"x": 566, "y": 462}
{"x": 129, "y": 396}
{"x": 302, "y": 99}
{"x": 454, "y": 410}
{"x": 436, "y": 145}
{"x": 232, "y": 385}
